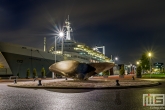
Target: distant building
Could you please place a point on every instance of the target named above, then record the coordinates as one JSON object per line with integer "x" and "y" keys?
{"x": 129, "y": 69}
{"x": 158, "y": 67}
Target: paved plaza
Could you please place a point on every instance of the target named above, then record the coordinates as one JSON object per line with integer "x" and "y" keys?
{"x": 12, "y": 98}
{"x": 99, "y": 82}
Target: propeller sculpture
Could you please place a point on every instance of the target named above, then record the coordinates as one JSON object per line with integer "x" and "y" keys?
{"x": 76, "y": 70}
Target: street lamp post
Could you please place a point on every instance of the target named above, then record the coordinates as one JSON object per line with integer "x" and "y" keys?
{"x": 55, "y": 50}
{"x": 149, "y": 54}
{"x": 62, "y": 46}
{"x": 115, "y": 61}
{"x": 61, "y": 34}
{"x": 54, "y": 55}
{"x": 139, "y": 64}
{"x": 116, "y": 58}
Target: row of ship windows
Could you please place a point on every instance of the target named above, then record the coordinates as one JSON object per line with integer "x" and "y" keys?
{"x": 94, "y": 61}
{"x": 79, "y": 57}
{"x": 70, "y": 56}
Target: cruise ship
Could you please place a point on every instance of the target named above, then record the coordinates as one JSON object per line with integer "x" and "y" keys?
{"x": 19, "y": 58}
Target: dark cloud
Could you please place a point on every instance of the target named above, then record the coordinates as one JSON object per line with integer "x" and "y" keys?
{"x": 127, "y": 28}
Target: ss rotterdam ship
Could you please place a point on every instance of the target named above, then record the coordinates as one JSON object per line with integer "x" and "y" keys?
{"x": 20, "y": 58}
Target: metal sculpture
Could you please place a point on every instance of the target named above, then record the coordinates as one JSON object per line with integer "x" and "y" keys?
{"x": 76, "y": 70}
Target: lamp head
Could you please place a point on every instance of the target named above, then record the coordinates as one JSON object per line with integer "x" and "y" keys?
{"x": 116, "y": 58}
{"x": 61, "y": 34}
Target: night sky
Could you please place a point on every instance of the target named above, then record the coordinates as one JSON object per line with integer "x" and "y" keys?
{"x": 127, "y": 28}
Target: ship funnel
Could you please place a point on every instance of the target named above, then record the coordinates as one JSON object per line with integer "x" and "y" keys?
{"x": 44, "y": 44}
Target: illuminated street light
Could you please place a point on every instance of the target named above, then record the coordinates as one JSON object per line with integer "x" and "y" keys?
{"x": 115, "y": 59}
{"x": 149, "y": 54}
{"x": 61, "y": 34}
{"x": 138, "y": 64}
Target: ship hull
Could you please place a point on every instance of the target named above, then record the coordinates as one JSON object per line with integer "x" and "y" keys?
{"x": 20, "y": 58}
{"x": 20, "y": 64}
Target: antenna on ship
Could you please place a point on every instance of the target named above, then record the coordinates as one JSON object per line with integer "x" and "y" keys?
{"x": 44, "y": 44}
{"x": 103, "y": 47}
{"x": 68, "y": 28}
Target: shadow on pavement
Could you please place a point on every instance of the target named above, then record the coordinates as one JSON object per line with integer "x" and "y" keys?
{"x": 69, "y": 90}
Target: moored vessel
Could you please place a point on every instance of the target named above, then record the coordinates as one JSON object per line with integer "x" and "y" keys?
{"x": 19, "y": 58}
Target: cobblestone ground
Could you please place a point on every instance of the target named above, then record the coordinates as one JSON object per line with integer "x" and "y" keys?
{"x": 88, "y": 84}
{"x": 12, "y": 98}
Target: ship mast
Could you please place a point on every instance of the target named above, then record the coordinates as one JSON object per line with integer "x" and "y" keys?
{"x": 44, "y": 44}
{"x": 69, "y": 29}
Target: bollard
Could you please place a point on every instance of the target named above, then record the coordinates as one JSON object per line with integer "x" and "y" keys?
{"x": 133, "y": 78}
{"x": 15, "y": 81}
{"x": 117, "y": 83}
{"x": 39, "y": 83}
